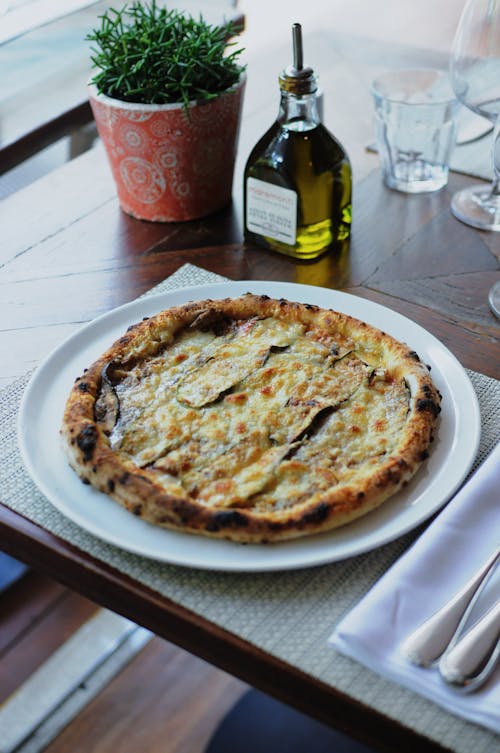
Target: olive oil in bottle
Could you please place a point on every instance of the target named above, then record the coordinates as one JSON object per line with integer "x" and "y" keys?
{"x": 297, "y": 184}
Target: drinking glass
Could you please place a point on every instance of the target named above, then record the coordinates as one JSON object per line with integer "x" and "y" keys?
{"x": 475, "y": 78}
{"x": 416, "y": 127}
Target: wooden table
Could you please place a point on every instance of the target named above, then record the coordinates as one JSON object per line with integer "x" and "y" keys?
{"x": 68, "y": 254}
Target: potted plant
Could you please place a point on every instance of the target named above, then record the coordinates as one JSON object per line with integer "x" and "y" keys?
{"x": 167, "y": 103}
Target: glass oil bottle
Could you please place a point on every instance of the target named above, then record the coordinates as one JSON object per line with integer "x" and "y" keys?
{"x": 297, "y": 183}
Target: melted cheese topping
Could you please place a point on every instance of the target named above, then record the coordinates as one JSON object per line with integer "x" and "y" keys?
{"x": 263, "y": 416}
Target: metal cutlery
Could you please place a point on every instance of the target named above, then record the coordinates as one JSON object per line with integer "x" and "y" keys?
{"x": 468, "y": 664}
{"x": 442, "y": 632}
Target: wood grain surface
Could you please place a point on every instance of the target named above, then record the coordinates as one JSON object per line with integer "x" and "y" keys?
{"x": 68, "y": 254}
{"x": 163, "y": 697}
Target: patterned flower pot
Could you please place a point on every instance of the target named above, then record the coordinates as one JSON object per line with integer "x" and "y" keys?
{"x": 169, "y": 167}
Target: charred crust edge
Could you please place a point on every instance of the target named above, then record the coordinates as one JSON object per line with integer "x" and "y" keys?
{"x": 87, "y": 440}
{"x": 226, "y": 519}
{"x": 428, "y": 404}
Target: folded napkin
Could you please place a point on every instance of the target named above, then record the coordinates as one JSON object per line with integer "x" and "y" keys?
{"x": 456, "y": 543}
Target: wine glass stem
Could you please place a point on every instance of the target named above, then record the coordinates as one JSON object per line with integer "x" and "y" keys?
{"x": 495, "y": 155}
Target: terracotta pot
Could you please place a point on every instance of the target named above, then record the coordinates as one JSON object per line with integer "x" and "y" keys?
{"x": 169, "y": 167}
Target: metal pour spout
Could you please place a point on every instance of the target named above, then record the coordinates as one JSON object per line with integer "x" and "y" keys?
{"x": 295, "y": 78}
{"x": 298, "y": 58}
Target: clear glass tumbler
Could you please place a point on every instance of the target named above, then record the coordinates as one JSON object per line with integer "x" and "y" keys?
{"x": 415, "y": 113}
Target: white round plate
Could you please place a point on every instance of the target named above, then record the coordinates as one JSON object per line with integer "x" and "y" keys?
{"x": 453, "y": 450}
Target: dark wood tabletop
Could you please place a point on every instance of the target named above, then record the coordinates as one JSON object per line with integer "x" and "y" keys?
{"x": 68, "y": 254}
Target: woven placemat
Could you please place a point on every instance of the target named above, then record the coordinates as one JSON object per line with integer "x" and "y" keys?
{"x": 288, "y": 614}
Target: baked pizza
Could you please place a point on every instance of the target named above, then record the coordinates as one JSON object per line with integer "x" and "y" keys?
{"x": 251, "y": 419}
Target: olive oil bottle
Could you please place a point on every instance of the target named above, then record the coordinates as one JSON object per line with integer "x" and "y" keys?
{"x": 297, "y": 183}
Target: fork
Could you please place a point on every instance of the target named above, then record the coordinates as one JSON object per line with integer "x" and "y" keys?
{"x": 442, "y": 630}
{"x": 468, "y": 663}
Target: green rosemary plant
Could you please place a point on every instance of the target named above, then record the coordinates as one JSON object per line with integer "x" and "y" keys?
{"x": 146, "y": 53}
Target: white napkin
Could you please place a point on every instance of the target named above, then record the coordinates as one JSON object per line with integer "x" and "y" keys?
{"x": 446, "y": 555}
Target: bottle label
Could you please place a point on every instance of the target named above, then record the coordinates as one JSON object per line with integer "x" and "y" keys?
{"x": 271, "y": 211}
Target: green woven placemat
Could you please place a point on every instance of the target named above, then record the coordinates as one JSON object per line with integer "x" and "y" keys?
{"x": 288, "y": 614}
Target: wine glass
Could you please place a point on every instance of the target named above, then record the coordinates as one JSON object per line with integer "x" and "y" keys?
{"x": 494, "y": 298}
{"x": 475, "y": 77}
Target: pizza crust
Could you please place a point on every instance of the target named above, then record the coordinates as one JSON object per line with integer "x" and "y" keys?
{"x": 251, "y": 419}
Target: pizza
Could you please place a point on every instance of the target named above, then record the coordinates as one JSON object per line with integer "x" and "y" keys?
{"x": 251, "y": 419}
